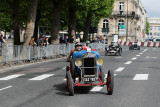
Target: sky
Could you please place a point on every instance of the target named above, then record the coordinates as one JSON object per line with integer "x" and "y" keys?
{"x": 152, "y": 7}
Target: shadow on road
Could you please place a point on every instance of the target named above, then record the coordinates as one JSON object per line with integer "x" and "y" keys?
{"x": 63, "y": 90}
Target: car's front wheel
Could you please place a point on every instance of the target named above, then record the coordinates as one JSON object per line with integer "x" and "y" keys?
{"x": 70, "y": 83}
{"x": 110, "y": 82}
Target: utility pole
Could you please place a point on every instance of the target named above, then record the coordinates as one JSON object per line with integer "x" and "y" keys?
{"x": 127, "y": 24}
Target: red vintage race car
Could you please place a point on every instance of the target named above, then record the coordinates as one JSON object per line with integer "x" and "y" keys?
{"x": 86, "y": 69}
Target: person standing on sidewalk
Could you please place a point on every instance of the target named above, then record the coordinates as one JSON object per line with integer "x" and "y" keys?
{"x": 1, "y": 43}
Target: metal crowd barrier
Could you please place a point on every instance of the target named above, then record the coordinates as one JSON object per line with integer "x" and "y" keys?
{"x": 20, "y": 53}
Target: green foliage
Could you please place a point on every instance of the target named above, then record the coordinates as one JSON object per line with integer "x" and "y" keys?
{"x": 97, "y": 8}
{"x": 147, "y": 27}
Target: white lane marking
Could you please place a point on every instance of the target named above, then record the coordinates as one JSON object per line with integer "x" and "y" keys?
{"x": 134, "y": 58}
{"x": 119, "y": 69}
{"x": 129, "y": 62}
{"x": 141, "y": 77}
{"x": 11, "y": 77}
{"x": 97, "y": 88}
{"x": 5, "y": 88}
{"x": 138, "y": 55}
{"x": 42, "y": 77}
{"x": 107, "y": 74}
{"x": 64, "y": 68}
{"x": 66, "y": 79}
{"x": 151, "y": 57}
{"x": 117, "y": 57}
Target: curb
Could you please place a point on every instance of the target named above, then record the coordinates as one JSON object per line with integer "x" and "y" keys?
{"x": 27, "y": 65}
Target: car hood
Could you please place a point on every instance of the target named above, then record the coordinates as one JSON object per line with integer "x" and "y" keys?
{"x": 79, "y": 54}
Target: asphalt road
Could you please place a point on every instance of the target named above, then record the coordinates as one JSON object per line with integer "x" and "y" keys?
{"x": 137, "y": 83}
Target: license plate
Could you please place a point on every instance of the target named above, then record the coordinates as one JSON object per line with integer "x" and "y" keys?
{"x": 89, "y": 79}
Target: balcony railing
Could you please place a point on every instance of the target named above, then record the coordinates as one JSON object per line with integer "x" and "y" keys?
{"x": 124, "y": 13}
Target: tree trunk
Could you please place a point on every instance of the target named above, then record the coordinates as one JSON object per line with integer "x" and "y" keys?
{"x": 38, "y": 16}
{"x": 15, "y": 9}
{"x": 87, "y": 26}
{"x": 31, "y": 21}
{"x": 56, "y": 21}
{"x": 72, "y": 20}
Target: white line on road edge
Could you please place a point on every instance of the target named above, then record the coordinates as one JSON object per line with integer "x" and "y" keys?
{"x": 64, "y": 68}
{"x": 42, "y": 77}
{"x": 138, "y": 55}
{"x": 5, "y": 88}
{"x": 11, "y": 77}
{"x": 129, "y": 62}
{"x": 97, "y": 88}
{"x": 119, "y": 69}
{"x": 134, "y": 58}
{"x": 141, "y": 77}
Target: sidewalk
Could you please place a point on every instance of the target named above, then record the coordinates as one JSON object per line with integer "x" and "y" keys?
{"x": 27, "y": 64}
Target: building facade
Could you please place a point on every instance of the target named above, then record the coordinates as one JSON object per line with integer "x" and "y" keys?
{"x": 126, "y": 14}
{"x": 154, "y": 29}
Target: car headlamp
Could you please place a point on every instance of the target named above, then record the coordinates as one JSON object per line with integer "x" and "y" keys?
{"x": 78, "y": 62}
{"x": 100, "y": 61}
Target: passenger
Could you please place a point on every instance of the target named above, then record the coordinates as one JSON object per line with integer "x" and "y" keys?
{"x": 87, "y": 44}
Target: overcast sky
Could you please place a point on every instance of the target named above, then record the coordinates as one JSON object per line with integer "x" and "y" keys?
{"x": 152, "y": 7}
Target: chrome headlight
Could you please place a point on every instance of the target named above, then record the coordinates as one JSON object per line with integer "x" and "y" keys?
{"x": 78, "y": 62}
{"x": 100, "y": 61}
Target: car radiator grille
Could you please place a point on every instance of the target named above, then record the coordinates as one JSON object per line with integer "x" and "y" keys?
{"x": 89, "y": 62}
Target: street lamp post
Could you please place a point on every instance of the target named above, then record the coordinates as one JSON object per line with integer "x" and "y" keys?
{"x": 127, "y": 23}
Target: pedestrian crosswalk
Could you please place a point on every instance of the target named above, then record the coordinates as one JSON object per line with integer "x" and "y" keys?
{"x": 11, "y": 77}
{"x": 45, "y": 76}
{"x": 41, "y": 77}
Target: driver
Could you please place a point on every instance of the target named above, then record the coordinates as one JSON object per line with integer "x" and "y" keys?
{"x": 78, "y": 47}
{"x": 111, "y": 45}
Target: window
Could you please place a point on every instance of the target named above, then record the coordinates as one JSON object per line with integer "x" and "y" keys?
{"x": 150, "y": 28}
{"x": 157, "y": 28}
{"x": 151, "y": 34}
{"x": 121, "y": 22}
{"x": 121, "y": 7}
{"x": 155, "y": 34}
{"x": 105, "y": 23}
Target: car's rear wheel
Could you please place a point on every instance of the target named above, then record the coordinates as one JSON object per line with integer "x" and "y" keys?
{"x": 110, "y": 82}
{"x": 70, "y": 83}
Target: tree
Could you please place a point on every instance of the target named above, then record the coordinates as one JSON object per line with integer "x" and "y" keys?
{"x": 56, "y": 21}
{"x": 147, "y": 27}
{"x": 31, "y": 21}
{"x": 99, "y": 9}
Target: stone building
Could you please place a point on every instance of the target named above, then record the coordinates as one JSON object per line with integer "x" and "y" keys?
{"x": 125, "y": 13}
{"x": 154, "y": 29}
